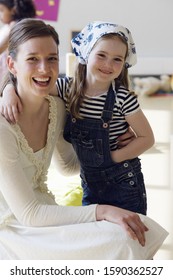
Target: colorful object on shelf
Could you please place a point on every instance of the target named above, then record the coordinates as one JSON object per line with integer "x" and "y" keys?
{"x": 47, "y": 9}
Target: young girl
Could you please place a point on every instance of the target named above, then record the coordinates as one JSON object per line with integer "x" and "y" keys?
{"x": 101, "y": 107}
{"x": 12, "y": 11}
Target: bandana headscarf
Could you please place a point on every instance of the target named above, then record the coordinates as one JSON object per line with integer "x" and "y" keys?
{"x": 84, "y": 41}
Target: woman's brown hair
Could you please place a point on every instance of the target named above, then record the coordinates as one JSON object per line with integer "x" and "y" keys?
{"x": 23, "y": 31}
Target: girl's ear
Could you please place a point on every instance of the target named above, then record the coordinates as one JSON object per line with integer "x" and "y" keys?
{"x": 11, "y": 65}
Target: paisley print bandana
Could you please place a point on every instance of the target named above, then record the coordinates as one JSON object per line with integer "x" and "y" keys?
{"x": 84, "y": 41}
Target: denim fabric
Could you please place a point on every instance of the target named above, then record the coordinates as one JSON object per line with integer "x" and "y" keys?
{"x": 121, "y": 185}
{"x": 104, "y": 181}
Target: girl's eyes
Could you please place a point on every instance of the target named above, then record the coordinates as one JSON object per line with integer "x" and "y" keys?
{"x": 116, "y": 59}
{"x": 101, "y": 55}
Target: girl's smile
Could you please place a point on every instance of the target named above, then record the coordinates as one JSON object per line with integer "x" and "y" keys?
{"x": 106, "y": 60}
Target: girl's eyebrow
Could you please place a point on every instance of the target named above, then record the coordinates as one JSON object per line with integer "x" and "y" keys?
{"x": 104, "y": 52}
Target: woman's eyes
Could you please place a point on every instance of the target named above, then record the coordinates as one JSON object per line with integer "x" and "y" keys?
{"x": 35, "y": 59}
{"x": 53, "y": 58}
{"x": 32, "y": 59}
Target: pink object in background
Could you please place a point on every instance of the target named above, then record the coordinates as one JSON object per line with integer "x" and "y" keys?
{"x": 47, "y": 9}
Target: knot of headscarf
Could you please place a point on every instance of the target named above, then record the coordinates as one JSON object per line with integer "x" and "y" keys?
{"x": 84, "y": 41}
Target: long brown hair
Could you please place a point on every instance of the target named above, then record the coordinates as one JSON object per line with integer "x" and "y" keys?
{"x": 78, "y": 88}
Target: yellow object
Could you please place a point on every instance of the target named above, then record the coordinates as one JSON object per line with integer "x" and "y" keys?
{"x": 72, "y": 197}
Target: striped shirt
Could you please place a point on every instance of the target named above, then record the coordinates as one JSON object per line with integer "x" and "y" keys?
{"x": 92, "y": 107}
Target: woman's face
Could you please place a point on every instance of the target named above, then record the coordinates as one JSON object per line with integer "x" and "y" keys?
{"x": 6, "y": 14}
{"x": 36, "y": 67}
{"x": 106, "y": 60}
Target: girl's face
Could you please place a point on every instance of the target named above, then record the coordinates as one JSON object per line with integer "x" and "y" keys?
{"x": 106, "y": 60}
{"x": 6, "y": 14}
{"x": 36, "y": 67}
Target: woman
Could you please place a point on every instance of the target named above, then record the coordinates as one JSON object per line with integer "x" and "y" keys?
{"x": 12, "y": 11}
{"x": 33, "y": 226}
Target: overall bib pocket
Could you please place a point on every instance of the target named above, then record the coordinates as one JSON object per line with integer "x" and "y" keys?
{"x": 90, "y": 151}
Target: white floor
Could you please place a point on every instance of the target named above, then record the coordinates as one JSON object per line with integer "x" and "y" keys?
{"x": 160, "y": 195}
{"x": 157, "y": 166}
{"x": 161, "y": 209}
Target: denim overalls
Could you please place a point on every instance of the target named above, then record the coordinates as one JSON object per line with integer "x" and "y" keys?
{"x": 104, "y": 181}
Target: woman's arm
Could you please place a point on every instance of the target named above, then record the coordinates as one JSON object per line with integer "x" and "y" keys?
{"x": 16, "y": 187}
{"x": 143, "y": 141}
{"x": 64, "y": 156}
{"x": 128, "y": 220}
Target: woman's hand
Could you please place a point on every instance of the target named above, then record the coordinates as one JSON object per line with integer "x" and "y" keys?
{"x": 10, "y": 104}
{"x": 128, "y": 220}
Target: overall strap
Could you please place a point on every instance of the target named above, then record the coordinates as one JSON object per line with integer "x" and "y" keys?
{"x": 108, "y": 107}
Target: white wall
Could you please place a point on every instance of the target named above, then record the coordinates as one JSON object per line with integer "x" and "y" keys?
{"x": 150, "y": 22}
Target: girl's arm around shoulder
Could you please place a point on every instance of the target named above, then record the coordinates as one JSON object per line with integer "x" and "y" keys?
{"x": 10, "y": 104}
